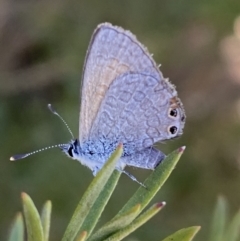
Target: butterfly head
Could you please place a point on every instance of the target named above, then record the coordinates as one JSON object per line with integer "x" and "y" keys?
{"x": 72, "y": 149}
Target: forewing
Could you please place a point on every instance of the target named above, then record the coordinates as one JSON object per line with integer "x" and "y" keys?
{"x": 112, "y": 52}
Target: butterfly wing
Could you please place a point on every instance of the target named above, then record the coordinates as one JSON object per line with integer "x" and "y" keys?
{"x": 112, "y": 52}
{"x": 148, "y": 158}
{"x": 139, "y": 109}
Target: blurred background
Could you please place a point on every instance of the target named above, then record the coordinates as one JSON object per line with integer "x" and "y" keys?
{"x": 42, "y": 50}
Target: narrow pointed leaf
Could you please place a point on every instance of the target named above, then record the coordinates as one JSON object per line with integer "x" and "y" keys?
{"x": 91, "y": 195}
{"x": 143, "y": 218}
{"x": 233, "y": 231}
{"x": 219, "y": 220}
{"x": 185, "y": 234}
{"x": 102, "y": 200}
{"x": 154, "y": 182}
{"x": 17, "y": 230}
{"x": 116, "y": 224}
{"x": 46, "y": 219}
{"x": 32, "y": 219}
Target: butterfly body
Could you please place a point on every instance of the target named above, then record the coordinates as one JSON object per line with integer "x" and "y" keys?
{"x": 92, "y": 154}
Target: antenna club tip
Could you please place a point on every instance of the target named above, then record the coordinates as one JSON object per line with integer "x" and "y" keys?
{"x": 52, "y": 109}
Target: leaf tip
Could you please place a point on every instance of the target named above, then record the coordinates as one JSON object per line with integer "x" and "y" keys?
{"x": 182, "y": 149}
{"x": 120, "y": 146}
{"x": 24, "y": 195}
{"x": 160, "y": 204}
{"x": 136, "y": 208}
{"x": 48, "y": 202}
{"x": 82, "y": 236}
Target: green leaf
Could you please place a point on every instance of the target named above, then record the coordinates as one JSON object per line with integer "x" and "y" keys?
{"x": 143, "y": 218}
{"x": 185, "y": 234}
{"x": 102, "y": 200}
{"x": 46, "y": 219}
{"x": 154, "y": 182}
{"x": 32, "y": 219}
{"x": 116, "y": 224}
{"x": 17, "y": 230}
{"x": 232, "y": 233}
{"x": 91, "y": 195}
{"x": 219, "y": 220}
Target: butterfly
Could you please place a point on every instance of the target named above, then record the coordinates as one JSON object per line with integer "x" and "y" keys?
{"x": 124, "y": 99}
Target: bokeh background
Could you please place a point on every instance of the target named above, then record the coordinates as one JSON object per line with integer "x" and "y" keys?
{"x": 42, "y": 50}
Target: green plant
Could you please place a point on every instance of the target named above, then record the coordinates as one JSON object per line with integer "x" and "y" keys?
{"x": 222, "y": 229}
{"x": 93, "y": 202}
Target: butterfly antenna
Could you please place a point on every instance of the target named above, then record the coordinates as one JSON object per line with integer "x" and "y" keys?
{"x": 21, "y": 156}
{"x": 65, "y": 123}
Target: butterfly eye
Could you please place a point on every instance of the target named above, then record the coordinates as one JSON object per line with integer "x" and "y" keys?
{"x": 173, "y": 112}
{"x": 173, "y": 130}
{"x": 70, "y": 151}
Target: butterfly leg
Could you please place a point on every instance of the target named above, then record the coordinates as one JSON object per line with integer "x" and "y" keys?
{"x": 133, "y": 178}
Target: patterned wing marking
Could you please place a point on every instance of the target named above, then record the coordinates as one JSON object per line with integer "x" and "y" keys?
{"x": 137, "y": 115}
